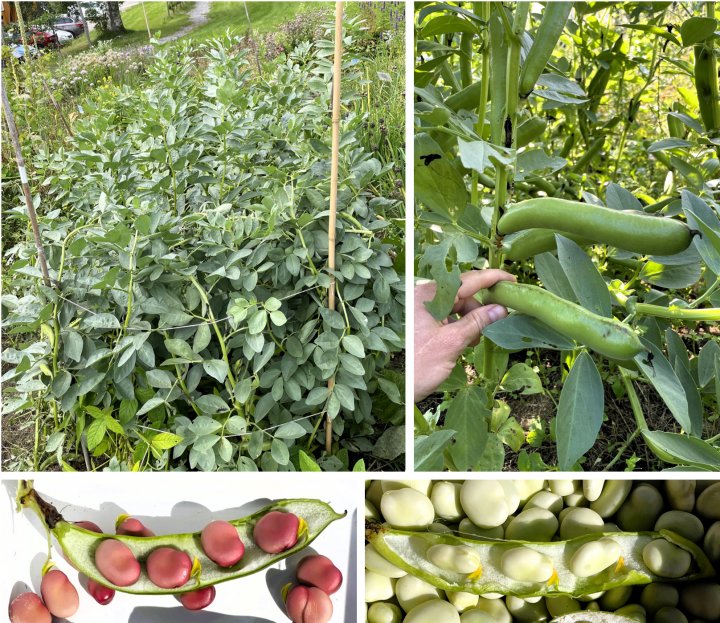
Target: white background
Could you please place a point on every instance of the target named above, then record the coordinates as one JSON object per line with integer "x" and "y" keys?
{"x": 173, "y": 503}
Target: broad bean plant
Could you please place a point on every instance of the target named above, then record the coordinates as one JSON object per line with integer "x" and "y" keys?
{"x": 575, "y": 146}
{"x": 186, "y": 230}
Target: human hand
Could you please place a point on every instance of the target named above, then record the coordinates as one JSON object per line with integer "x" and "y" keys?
{"x": 438, "y": 345}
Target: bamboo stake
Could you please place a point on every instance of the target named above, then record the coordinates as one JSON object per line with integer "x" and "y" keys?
{"x": 55, "y": 105}
{"x": 147, "y": 24}
{"x": 15, "y": 139}
{"x": 255, "y": 43}
{"x": 337, "y": 69}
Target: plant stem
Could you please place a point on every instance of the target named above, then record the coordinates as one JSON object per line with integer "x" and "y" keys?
{"x": 707, "y": 314}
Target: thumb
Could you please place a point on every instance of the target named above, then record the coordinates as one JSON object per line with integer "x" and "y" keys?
{"x": 469, "y": 328}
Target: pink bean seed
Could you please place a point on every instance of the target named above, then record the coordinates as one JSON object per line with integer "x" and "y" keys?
{"x": 276, "y": 532}
{"x": 222, "y": 544}
{"x": 308, "y": 605}
{"x": 28, "y": 608}
{"x": 319, "y": 571}
{"x": 102, "y": 594}
{"x": 60, "y": 596}
{"x": 117, "y": 563}
{"x": 199, "y": 599}
{"x": 133, "y": 527}
{"x": 168, "y": 567}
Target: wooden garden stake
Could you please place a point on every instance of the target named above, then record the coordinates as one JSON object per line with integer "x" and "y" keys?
{"x": 55, "y": 105}
{"x": 255, "y": 43}
{"x": 15, "y": 139}
{"x": 147, "y": 24}
{"x": 337, "y": 68}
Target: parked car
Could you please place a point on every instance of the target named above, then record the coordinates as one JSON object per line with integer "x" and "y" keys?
{"x": 63, "y": 36}
{"x": 44, "y": 38}
{"x": 63, "y": 22}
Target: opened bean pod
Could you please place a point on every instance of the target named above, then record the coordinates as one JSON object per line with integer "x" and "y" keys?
{"x": 531, "y": 552}
{"x": 178, "y": 563}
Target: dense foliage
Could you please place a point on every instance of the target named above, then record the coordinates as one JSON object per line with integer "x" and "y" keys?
{"x": 186, "y": 229}
{"x": 614, "y": 105}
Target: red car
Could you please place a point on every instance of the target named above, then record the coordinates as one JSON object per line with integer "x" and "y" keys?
{"x": 43, "y": 39}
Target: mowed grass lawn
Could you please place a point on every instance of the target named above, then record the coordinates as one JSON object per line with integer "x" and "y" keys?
{"x": 134, "y": 22}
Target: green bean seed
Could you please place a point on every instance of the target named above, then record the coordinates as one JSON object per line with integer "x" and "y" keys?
{"x": 708, "y": 502}
{"x": 666, "y": 559}
{"x": 378, "y": 564}
{"x": 407, "y": 508}
{"x": 433, "y": 611}
{"x": 658, "y": 595}
{"x": 378, "y": 587}
{"x": 532, "y": 524}
{"x": 381, "y": 612}
{"x": 445, "y": 497}
{"x": 462, "y": 601}
{"x": 580, "y": 521}
{"x": 683, "y": 523}
{"x": 594, "y": 557}
{"x": 524, "y": 564}
{"x": 669, "y": 615}
{"x": 411, "y": 591}
{"x": 458, "y": 558}
{"x": 681, "y": 494}
{"x": 641, "y": 509}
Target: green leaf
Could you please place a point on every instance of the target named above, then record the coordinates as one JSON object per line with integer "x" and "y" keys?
{"x": 438, "y": 184}
{"x": 468, "y": 416}
{"x": 278, "y": 318}
{"x": 279, "y": 452}
{"x": 243, "y": 389}
{"x": 353, "y": 345}
{"x": 429, "y": 450}
{"x": 272, "y": 304}
{"x": 585, "y": 279}
{"x": 697, "y": 29}
{"x": 72, "y": 345}
{"x": 307, "y": 463}
{"x": 165, "y": 441}
{"x": 522, "y": 378}
{"x": 317, "y": 396}
{"x": 683, "y": 450}
{"x": 211, "y": 404}
{"x": 159, "y": 378}
{"x": 352, "y": 364}
{"x": 290, "y": 430}
{"x": 580, "y": 411}
{"x": 217, "y": 369}
{"x": 150, "y": 405}
{"x": 113, "y": 425}
{"x": 359, "y": 466}
{"x": 181, "y": 348}
{"x": 95, "y": 433}
{"x": 201, "y": 339}
{"x": 660, "y": 373}
{"x": 391, "y": 444}
{"x": 61, "y": 383}
{"x": 257, "y": 322}
{"x": 100, "y": 321}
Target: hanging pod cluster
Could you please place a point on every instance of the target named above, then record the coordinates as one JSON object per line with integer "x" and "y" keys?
{"x": 531, "y": 551}
{"x": 189, "y": 565}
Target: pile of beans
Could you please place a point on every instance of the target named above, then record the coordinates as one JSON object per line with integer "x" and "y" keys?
{"x": 525, "y": 512}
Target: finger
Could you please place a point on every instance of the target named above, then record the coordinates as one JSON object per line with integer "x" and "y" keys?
{"x": 425, "y": 292}
{"x": 468, "y": 329}
{"x": 477, "y": 280}
{"x": 465, "y": 306}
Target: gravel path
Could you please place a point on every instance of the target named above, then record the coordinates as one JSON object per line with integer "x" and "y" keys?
{"x": 198, "y": 16}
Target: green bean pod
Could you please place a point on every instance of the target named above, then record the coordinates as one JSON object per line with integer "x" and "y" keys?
{"x": 607, "y": 336}
{"x": 629, "y": 230}
{"x": 79, "y": 545}
{"x": 530, "y": 242}
{"x": 588, "y": 616}
{"x": 466, "y": 99}
{"x": 594, "y": 149}
{"x": 706, "y": 84}
{"x": 498, "y": 77}
{"x": 530, "y": 130}
{"x": 551, "y": 26}
{"x": 408, "y": 550}
{"x": 466, "y": 52}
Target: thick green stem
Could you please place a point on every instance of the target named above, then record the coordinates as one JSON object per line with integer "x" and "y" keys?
{"x": 708, "y": 314}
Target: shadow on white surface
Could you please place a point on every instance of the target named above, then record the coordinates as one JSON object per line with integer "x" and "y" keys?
{"x": 180, "y": 615}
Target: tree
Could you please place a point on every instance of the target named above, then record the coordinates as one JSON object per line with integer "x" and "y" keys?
{"x": 114, "y": 20}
